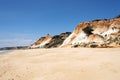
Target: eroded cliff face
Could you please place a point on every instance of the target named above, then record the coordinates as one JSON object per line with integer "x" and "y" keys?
{"x": 41, "y": 42}
{"x": 50, "y": 42}
{"x": 57, "y": 40}
{"x": 98, "y": 33}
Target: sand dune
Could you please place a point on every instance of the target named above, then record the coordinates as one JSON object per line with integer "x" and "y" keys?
{"x": 61, "y": 64}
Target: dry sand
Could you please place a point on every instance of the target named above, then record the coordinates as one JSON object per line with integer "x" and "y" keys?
{"x": 61, "y": 64}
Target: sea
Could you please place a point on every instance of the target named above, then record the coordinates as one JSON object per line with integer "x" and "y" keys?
{"x": 5, "y": 51}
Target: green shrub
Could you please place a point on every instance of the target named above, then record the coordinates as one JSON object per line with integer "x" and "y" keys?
{"x": 88, "y": 30}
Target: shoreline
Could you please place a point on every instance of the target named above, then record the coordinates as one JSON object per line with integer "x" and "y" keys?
{"x": 5, "y": 51}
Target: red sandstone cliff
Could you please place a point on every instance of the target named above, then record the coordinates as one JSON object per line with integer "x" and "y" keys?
{"x": 99, "y": 32}
{"x": 42, "y": 42}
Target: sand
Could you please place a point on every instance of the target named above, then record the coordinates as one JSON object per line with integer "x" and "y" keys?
{"x": 61, "y": 64}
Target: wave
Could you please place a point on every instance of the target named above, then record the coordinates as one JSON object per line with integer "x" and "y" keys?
{"x": 5, "y": 51}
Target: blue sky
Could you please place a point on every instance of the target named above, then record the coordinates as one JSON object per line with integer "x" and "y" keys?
{"x": 24, "y": 21}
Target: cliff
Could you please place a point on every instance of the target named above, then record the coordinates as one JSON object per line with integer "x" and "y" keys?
{"x": 57, "y": 40}
{"x": 50, "y": 42}
{"x": 97, "y": 33}
{"x": 41, "y": 42}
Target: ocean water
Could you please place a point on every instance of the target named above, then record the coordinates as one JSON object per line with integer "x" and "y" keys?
{"x": 1, "y": 51}
{"x": 5, "y": 51}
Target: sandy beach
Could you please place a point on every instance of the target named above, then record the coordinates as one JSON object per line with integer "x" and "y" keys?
{"x": 61, "y": 64}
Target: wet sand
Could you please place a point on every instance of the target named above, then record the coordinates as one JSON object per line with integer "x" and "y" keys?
{"x": 61, "y": 64}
